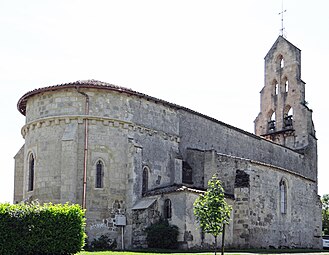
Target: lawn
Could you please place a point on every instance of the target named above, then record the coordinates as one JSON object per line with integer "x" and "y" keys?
{"x": 140, "y": 253}
{"x": 254, "y": 252}
{"x": 130, "y": 253}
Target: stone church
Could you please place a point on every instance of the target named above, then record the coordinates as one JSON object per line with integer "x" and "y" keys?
{"x": 129, "y": 159}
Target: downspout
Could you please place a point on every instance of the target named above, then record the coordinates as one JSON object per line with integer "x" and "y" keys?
{"x": 85, "y": 154}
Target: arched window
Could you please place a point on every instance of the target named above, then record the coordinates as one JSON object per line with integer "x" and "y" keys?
{"x": 167, "y": 212}
{"x": 145, "y": 180}
{"x": 288, "y": 117}
{"x": 286, "y": 85}
{"x": 30, "y": 184}
{"x": 271, "y": 122}
{"x": 279, "y": 62}
{"x": 275, "y": 85}
{"x": 99, "y": 174}
{"x": 283, "y": 197}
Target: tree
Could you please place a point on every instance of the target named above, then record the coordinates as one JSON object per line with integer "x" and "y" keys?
{"x": 325, "y": 214}
{"x": 212, "y": 211}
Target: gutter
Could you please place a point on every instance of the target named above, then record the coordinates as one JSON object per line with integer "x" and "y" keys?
{"x": 85, "y": 154}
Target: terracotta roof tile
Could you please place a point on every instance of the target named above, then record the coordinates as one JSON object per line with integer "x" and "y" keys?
{"x": 179, "y": 188}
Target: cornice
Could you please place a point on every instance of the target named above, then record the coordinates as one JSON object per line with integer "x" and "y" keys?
{"x": 94, "y": 120}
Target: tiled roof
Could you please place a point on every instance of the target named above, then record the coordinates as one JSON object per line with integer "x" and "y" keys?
{"x": 21, "y": 105}
{"x": 172, "y": 189}
{"x": 143, "y": 203}
{"x": 180, "y": 188}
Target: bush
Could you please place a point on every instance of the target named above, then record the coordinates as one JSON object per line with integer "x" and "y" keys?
{"x": 162, "y": 235}
{"x": 41, "y": 229}
{"x": 103, "y": 243}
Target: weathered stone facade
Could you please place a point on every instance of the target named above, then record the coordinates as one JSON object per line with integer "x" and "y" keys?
{"x": 130, "y": 159}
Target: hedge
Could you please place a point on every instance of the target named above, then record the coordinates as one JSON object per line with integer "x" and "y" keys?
{"x": 41, "y": 229}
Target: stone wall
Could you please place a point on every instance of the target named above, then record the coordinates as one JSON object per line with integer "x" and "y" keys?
{"x": 196, "y": 159}
{"x": 257, "y": 218}
{"x": 124, "y": 133}
{"x": 19, "y": 176}
{"x": 127, "y": 133}
{"x": 190, "y": 235}
{"x": 299, "y": 226}
{"x": 193, "y": 238}
{"x": 208, "y": 134}
{"x": 141, "y": 219}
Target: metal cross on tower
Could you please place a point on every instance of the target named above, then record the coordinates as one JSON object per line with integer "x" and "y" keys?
{"x": 281, "y": 13}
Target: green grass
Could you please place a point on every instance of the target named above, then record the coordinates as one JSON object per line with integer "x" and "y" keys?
{"x": 130, "y": 253}
{"x": 255, "y": 252}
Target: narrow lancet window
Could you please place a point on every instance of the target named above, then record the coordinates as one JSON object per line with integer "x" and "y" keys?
{"x": 288, "y": 118}
{"x": 283, "y": 197}
{"x": 167, "y": 209}
{"x": 271, "y": 123}
{"x": 286, "y": 86}
{"x": 276, "y": 88}
{"x": 99, "y": 174}
{"x": 30, "y": 186}
{"x": 145, "y": 180}
{"x": 279, "y": 62}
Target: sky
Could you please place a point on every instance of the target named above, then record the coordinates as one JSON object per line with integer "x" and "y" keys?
{"x": 205, "y": 55}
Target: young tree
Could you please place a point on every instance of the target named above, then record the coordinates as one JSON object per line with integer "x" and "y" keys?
{"x": 211, "y": 210}
{"x": 325, "y": 214}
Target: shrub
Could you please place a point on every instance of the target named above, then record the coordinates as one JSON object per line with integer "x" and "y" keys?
{"x": 103, "y": 243}
{"x": 41, "y": 229}
{"x": 162, "y": 235}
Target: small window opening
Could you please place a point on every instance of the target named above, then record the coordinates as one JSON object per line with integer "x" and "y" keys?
{"x": 279, "y": 62}
{"x": 288, "y": 119}
{"x": 99, "y": 174}
{"x": 286, "y": 86}
{"x": 145, "y": 180}
{"x": 272, "y": 123}
{"x": 167, "y": 209}
{"x": 276, "y": 88}
{"x": 187, "y": 173}
{"x": 31, "y": 173}
{"x": 283, "y": 197}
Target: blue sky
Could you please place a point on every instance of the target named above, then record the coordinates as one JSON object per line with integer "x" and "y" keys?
{"x": 204, "y": 55}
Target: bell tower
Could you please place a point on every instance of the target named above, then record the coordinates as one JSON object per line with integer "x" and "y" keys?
{"x": 284, "y": 117}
